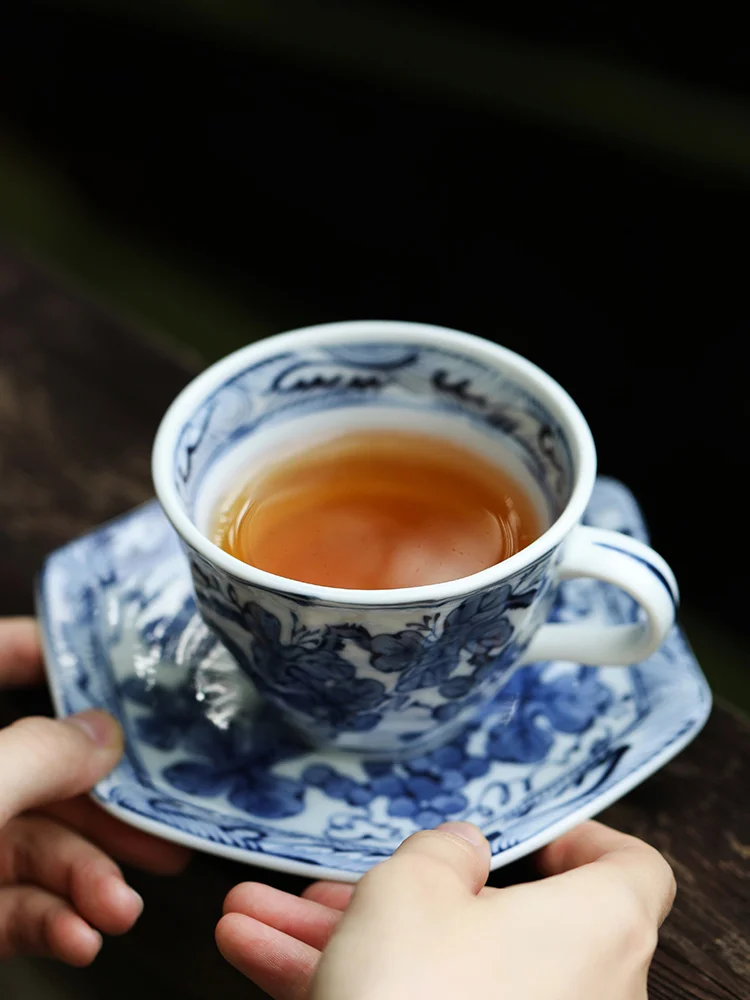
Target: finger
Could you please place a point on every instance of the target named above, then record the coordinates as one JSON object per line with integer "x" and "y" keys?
{"x": 20, "y": 653}
{"x": 279, "y": 964}
{"x": 309, "y": 922}
{"x": 134, "y": 847}
{"x": 455, "y": 856}
{"x": 38, "y": 850}
{"x": 45, "y": 759}
{"x": 34, "y": 922}
{"x": 582, "y": 846}
{"x": 335, "y": 895}
{"x": 637, "y": 864}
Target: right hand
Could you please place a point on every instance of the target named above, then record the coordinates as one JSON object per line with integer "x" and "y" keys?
{"x": 423, "y": 924}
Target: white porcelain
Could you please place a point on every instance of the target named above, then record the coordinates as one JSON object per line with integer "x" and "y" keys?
{"x": 396, "y": 672}
{"x": 208, "y": 765}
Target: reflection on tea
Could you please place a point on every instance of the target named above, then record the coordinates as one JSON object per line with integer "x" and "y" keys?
{"x": 377, "y": 510}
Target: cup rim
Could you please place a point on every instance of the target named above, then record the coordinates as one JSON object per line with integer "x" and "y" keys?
{"x": 578, "y": 434}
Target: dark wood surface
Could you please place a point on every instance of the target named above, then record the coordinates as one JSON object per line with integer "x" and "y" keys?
{"x": 80, "y": 398}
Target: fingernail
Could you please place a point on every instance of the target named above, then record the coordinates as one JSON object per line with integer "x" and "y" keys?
{"x": 138, "y": 899}
{"x": 465, "y": 830}
{"x": 92, "y": 938}
{"x": 124, "y": 896}
{"x": 101, "y": 728}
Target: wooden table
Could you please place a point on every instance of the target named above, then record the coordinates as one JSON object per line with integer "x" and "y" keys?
{"x": 80, "y": 398}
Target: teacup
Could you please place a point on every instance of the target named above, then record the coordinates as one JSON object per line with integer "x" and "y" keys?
{"x": 394, "y": 672}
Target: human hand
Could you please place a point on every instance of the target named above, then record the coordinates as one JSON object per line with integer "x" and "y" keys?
{"x": 423, "y": 924}
{"x": 58, "y": 889}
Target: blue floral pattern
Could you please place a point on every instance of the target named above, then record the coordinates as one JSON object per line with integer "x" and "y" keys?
{"x": 415, "y": 378}
{"x": 427, "y": 789}
{"x": 209, "y": 764}
{"x": 396, "y": 677}
{"x": 340, "y": 678}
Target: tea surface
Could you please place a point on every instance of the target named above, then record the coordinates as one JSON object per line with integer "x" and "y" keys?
{"x": 377, "y": 510}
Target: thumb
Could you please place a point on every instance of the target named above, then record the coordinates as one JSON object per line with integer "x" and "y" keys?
{"x": 454, "y": 855}
{"x": 402, "y": 913}
{"x": 46, "y": 760}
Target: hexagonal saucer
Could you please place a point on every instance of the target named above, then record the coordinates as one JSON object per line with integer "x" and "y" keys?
{"x": 207, "y": 765}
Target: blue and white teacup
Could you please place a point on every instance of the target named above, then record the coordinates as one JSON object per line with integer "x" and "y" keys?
{"x": 390, "y": 672}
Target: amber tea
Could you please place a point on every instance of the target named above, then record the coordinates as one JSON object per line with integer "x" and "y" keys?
{"x": 373, "y": 510}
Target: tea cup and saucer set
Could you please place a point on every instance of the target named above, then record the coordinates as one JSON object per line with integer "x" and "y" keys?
{"x": 311, "y": 728}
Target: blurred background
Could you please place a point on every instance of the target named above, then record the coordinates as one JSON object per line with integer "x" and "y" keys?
{"x": 573, "y": 185}
{"x": 571, "y": 182}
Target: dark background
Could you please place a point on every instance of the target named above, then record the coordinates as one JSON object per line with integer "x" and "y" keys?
{"x": 573, "y": 184}
{"x": 569, "y": 180}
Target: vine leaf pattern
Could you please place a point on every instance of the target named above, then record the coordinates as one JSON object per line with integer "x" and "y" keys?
{"x": 205, "y": 758}
{"x": 239, "y": 761}
{"x": 435, "y": 668}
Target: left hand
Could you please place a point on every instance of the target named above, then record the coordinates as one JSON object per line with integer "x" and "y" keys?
{"x": 59, "y": 888}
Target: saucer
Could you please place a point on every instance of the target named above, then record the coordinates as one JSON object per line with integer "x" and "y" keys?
{"x": 207, "y": 765}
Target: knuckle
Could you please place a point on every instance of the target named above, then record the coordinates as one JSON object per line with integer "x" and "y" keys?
{"x": 21, "y": 844}
{"x": 376, "y": 879}
{"x": 46, "y": 753}
{"x": 395, "y": 880}
{"x": 25, "y": 931}
{"x": 669, "y": 880}
{"x": 640, "y": 935}
{"x": 661, "y": 879}
{"x": 40, "y": 736}
{"x": 33, "y": 727}
{"x": 87, "y": 870}
{"x": 16, "y": 942}
{"x": 635, "y": 925}
{"x": 50, "y": 926}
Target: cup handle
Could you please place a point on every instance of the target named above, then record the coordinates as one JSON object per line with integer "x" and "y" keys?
{"x": 614, "y": 558}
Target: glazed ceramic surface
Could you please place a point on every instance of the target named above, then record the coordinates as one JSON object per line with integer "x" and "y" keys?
{"x": 208, "y": 764}
{"x": 398, "y": 672}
